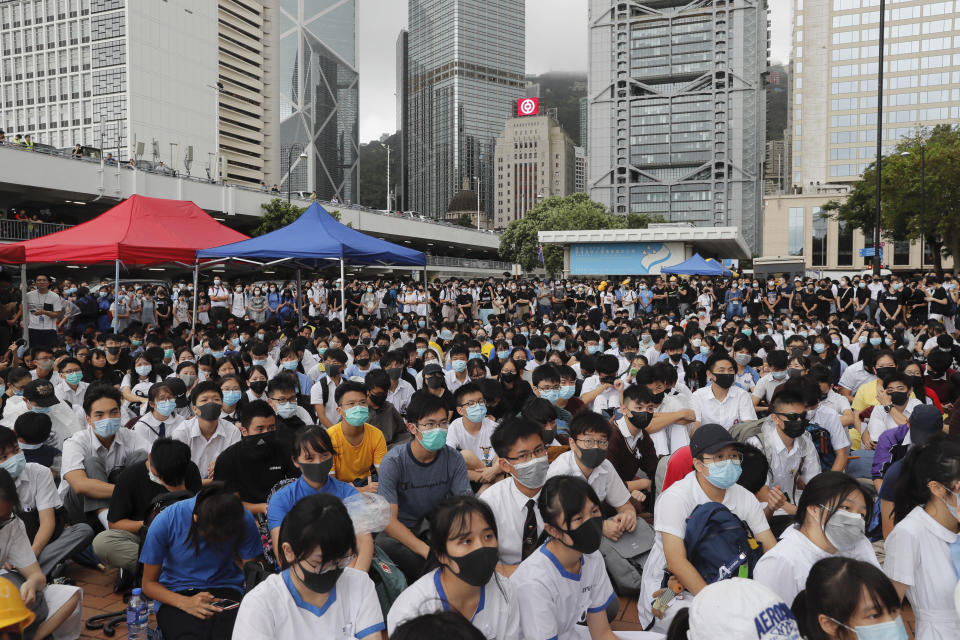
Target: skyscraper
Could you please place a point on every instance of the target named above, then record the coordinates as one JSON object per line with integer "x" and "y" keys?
{"x": 466, "y": 72}
{"x": 316, "y": 69}
{"x": 402, "y": 111}
{"x": 677, "y": 110}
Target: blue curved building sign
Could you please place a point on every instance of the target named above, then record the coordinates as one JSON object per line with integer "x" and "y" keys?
{"x": 621, "y": 258}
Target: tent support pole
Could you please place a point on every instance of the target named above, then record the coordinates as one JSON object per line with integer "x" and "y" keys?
{"x": 196, "y": 293}
{"x": 299, "y": 301}
{"x": 426, "y": 290}
{"x": 24, "y": 313}
{"x": 116, "y": 294}
{"x": 343, "y": 297}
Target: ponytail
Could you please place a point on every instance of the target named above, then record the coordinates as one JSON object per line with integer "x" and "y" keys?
{"x": 937, "y": 460}
{"x": 219, "y": 517}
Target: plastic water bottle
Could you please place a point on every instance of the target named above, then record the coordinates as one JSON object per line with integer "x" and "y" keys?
{"x": 137, "y": 616}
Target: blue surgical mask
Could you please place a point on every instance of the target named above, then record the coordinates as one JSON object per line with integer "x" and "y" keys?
{"x": 459, "y": 365}
{"x": 217, "y": 354}
{"x": 567, "y": 391}
{"x": 37, "y": 409}
{"x": 892, "y": 630}
{"x": 778, "y": 375}
{"x": 286, "y": 409}
{"x": 474, "y": 356}
{"x": 232, "y": 397}
{"x": 144, "y": 370}
{"x": 107, "y": 427}
{"x": 819, "y": 347}
{"x": 259, "y": 363}
{"x": 747, "y": 332}
{"x": 704, "y": 349}
{"x": 593, "y": 348}
{"x": 15, "y": 464}
{"x": 434, "y": 440}
{"x": 503, "y": 355}
{"x": 289, "y": 365}
{"x": 477, "y": 412}
{"x": 875, "y": 341}
{"x": 74, "y": 377}
{"x": 166, "y": 407}
{"x": 550, "y": 395}
{"x": 724, "y": 475}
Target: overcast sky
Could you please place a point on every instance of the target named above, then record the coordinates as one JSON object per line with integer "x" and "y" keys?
{"x": 556, "y": 41}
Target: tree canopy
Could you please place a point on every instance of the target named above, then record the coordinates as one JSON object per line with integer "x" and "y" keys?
{"x": 577, "y": 212}
{"x": 278, "y": 213}
{"x": 908, "y": 208}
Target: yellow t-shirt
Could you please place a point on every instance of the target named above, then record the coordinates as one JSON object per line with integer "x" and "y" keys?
{"x": 352, "y": 462}
{"x": 866, "y": 396}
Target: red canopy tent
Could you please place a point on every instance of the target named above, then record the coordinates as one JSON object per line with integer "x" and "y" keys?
{"x": 137, "y": 232}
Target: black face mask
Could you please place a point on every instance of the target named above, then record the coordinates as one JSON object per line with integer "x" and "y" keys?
{"x": 114, "y": 351}
{"x": 883, "y": 372}
{"x": 320, "y": 582}
{"x": 723, "y": 380}
{"x": 658, "y": 397}
{"x": 586, "y": 538}
{"x": 258, "y": 387}
{"x": 675, "y": 357}
{"x": 261, "y": 445}
{"x": 434, "y": 382}
{"x": 362, "y": 362}
{"x": 317, "y": 472}
{"x": 640, "y": 419}
{"x": 476, "y": 567}
{"x": 794, "y": 373}
{"x": 608, "y": 379}
{"x": 549, "y": 435}
{"x": 592, "y": 458}
{"x": 377, "y": 399}
{"x": 209, "y": 411}
{"x": 899, "y": 398}
{"x": 539, "y": 354}
{"x": 795, "y": 428}
{"x": 508, "y": 377}
{"x": 333, "y": 370}
{"x": 629, "y": 355}
{"x": 394, "y": 373}
{"x": 914, "y": 381}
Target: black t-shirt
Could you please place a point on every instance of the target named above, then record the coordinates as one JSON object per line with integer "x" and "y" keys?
{"x": 134, "y": 491}
{"x": 250, "y": 476}
{"x": 447, "y": 398}
{"x": 890, "y": 300}
{"x": 810, "y": 299}
{"x": 940, "y": 294}
{"x": 114, "y": 373}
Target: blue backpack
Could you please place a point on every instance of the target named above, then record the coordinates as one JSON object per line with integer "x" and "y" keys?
{"x": 719, "y": 544}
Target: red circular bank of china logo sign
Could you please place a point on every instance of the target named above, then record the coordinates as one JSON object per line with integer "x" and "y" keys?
{"x": 528, "y": 106}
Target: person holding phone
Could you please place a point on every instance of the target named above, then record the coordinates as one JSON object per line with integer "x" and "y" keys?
{"x": 189, "y": 563}
{"x": 43, "y": 310}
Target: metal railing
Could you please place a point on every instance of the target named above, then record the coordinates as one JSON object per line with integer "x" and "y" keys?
{"x": 468, "y": 263}
{"x": 150, "y": 167}
{"x": 26, "y": 229}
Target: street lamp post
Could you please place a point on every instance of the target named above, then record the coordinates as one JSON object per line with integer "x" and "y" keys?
{"x": 290, "y": 170}
{"x": 477, "y": 178}
{"x": 877, "y": 253}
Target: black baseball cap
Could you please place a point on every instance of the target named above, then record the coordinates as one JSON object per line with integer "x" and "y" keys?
{"x": 925, "y": 421}
{"x": 432, "y": 368}
{"x": 40, "y": 393}
{"x": 710, "y": 438}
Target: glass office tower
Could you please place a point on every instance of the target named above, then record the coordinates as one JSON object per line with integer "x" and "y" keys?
{"x": 677, "y": 110}
{"x": 316, "y": 68}
{"x": 466, "y": 72}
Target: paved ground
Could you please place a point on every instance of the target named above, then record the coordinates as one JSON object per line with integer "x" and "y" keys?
{"x": 98, "y": 597}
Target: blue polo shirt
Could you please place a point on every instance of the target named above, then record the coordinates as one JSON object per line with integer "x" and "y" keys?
{"x": 283, "y": 500}
{"x": 182, "y": 568}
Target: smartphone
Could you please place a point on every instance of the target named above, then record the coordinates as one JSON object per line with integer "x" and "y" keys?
{"x": 225, "y": 605}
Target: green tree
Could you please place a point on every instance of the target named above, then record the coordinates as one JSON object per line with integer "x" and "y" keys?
{"x": 909, "y": 211}
{"x": 464, "y": 220}
{"x": 373, "y": 171}
{"x": 278, "y": 213}
{"x": 520, "y": 241}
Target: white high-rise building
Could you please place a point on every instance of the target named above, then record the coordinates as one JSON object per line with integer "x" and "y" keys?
{"x": 677, "y": 110}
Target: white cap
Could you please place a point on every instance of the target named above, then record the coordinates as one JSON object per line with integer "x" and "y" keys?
{"x": 741, "y": 609}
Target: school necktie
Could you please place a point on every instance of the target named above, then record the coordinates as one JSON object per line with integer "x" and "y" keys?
{"x": 529, "y": 531}
{"x": 162, "y": 427}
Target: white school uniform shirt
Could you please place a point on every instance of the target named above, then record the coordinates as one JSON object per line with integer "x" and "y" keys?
{"x": 509, "y": 506}
{"x": 918, "y": 556}
{"x": 881, "y": 421}
{"x": 785, "y": 567}
{"x": 674, "y": 506}
{"x": 825, "y": 416}
{"x": 203, "y": 451}
{"x": 497, "y": 616}
{"x": 148, "y": 427}
{"x": 36, "y": 489}
{"x": 85, "y": 444}
{"x": 674, "y": 436}
{"x": 736, "y": 407}
{"x": 855, "y": 376}
{"x": 316, "y": 397}
{"x": 453, "y": 383}
{"x": 553, "y": 600}
{"x": 785, "y": 463}
{"x": 460, "y": 439}
{"x": 275, "y": 609}
{"x": 400, "y": 397}
{"x": 74, "y": 397}
{"x": 836, "y": 402}
{"x": 603, "y": 479}
{"x": 64, "y": 421}
{"x": 766, "y": 385}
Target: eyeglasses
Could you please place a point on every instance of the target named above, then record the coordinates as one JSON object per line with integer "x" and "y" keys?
{"x": 430, "y": 426}
{"x": 342, "y": 563}
{"x": 736, "y": 458}
{"x": 590, "y": 443}
{"x": 792, "y": 416}
{"x": 282, "y": 400}
{"x": 526, "y": 456}
{"x": 553, "y": 388}
{"x": 474, "y": 403}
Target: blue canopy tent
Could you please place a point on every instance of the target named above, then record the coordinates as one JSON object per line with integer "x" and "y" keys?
{"x": 695, "y": 265}
{"x": 314, "y": 240}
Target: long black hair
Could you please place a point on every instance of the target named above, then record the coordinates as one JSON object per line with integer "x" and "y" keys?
{"x": 829, "y": 489}
{"x": 937, "y": 460}
{"x": 451, "y": 519}
{"x": 561, "y": 498}
{"x": 834, "y": 588}
{"x": 220, "y": 517}
{"x": 319, "y": 521}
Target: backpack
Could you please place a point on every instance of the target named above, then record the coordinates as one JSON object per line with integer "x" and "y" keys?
{"x": 89, "y": 309}
{"x": 743, "y": 431}
{"x": 719, "y": 544}
{"x": 387, "y": 578}
{"x": 823, "y": 445}
{"x": 624, "y": 559}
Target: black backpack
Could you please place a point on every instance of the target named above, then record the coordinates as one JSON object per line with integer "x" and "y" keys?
{"x": 89, "y": 309}
{"x": 719, "y": 544}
